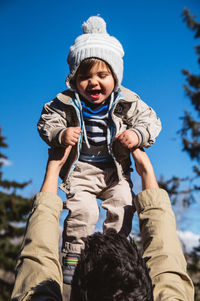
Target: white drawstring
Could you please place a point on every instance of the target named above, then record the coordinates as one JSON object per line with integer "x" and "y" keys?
{"x": 111, "y": 101}
{"x": 84, "y": 129}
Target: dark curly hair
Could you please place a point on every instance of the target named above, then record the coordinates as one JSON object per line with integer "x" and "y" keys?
{"x": 111, "y": 268}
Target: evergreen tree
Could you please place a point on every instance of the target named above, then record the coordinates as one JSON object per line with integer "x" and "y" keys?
{"x": 190, "y": 135}
{"x": 194, "y": 269}
{"x": 190, "y": 132}
{"x": 13, "y": 213}
{"x": 186, "y": 190}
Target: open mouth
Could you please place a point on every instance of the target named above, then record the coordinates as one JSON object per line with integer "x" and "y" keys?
{"x": 94, "y": 93}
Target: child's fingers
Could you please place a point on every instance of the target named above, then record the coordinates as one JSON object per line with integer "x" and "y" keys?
{"x": 119, "y": 135}
{"x": 123, "y": 138}
{"x": 77, "y": 130}
{"x": 75, "y": 135}
{"x": 130, "y": 145}
{"x": 75, "y": 139}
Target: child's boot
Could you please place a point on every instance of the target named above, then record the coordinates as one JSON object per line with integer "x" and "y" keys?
{"x": 69, "y": 262}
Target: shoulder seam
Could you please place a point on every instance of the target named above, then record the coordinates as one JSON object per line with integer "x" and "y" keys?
{"x": 129, "y": 95}
{"x": 65, "y": 96}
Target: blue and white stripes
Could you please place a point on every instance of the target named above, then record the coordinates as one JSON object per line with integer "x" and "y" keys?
{"x": 96, "y": 120}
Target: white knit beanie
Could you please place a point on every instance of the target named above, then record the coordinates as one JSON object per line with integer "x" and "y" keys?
{"x": 96, "y": 42}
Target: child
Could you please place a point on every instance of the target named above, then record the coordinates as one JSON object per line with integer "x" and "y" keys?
{"x": 102, "y": 121}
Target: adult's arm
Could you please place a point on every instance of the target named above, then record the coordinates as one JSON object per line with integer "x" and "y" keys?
{"x": 166, "y": 263}
{"x": 38, "y": 271}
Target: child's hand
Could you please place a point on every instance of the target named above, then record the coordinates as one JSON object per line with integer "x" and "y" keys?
{"x": 70, "y": 136}
{"x": 128, "y": 138}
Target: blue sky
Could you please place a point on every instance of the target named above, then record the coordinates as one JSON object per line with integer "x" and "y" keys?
{"x": 35, "y": 38}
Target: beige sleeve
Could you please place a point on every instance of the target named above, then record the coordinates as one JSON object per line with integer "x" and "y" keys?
{"x": 38, "y": 270}
{"x": 52, "y": 123}
{"x": 142, "y": 119}
{"x": 166, "y": 263}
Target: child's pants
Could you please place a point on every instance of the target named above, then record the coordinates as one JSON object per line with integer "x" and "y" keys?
{"x": 88, "y": 182}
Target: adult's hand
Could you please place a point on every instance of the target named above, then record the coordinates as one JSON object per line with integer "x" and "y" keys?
{"x": 144, "y": 169}
{"x": 56, "y": 160}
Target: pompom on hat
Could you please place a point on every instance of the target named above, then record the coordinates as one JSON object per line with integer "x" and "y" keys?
{"x": 97, "y": 43}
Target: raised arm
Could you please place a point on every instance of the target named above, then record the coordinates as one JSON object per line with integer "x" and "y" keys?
{"x": 38, "y": 272}
{"x": 161, "y": 246}
{"x": 57, "y": 158}
{"x": 144, "y": 169}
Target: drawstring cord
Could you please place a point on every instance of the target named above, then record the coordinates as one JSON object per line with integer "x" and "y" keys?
{"x": 111, "y": 101}
{"x": 84, "y": 129}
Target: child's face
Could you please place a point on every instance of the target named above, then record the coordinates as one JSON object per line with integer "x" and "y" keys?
{"x": 97, "y": 84}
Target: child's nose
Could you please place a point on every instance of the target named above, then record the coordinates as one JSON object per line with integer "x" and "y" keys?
{"x": 93, "y": 81}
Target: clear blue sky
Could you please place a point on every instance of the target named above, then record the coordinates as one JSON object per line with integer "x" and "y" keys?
{"x": 35, "y": 38}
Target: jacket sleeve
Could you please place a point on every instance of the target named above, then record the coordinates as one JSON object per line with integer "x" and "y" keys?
{"x": 165, "y": 260}
{"x": 142, "y": 119}
{"x": 52, "y": 123}
{"x": 38, "y": 271}
{"x": 146, "y": 124}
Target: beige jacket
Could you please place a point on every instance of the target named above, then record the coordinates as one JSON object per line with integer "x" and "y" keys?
{"x": 38, "y": 262}
{"x": 127, "y": 112}
{"x": 160, "y": 242}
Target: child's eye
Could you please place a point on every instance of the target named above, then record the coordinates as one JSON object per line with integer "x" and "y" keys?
{"x": 103, "y": 75}
{"x": 83, "y": 77}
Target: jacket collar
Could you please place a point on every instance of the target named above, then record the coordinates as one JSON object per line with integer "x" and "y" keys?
{"x": 122, "y": 94}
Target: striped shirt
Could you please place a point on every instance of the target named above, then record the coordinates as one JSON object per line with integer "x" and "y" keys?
{"x": 96, "y": 120}
{"x": 96, "y": 123}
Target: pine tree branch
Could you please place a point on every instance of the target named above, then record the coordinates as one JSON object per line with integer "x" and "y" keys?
{"x": 191, "y": 127}
{"x": 191, "y": 22}
{"x": 193, "y": 80}
{"x": 13, "y": 184}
